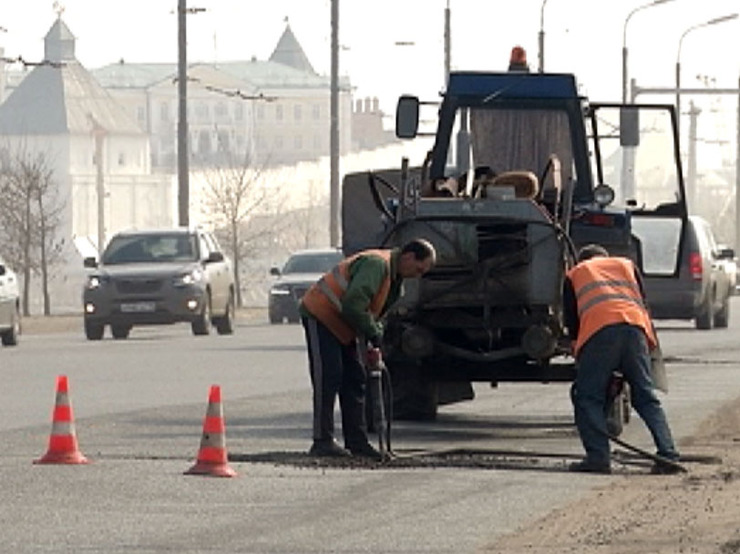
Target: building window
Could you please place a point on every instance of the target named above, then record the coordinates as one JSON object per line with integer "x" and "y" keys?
{"x": 260, "y": 112}
{"x": 164, "y": 112}
{"x": 141, "y": 113}
{"x": 121, "y": 158}
{"x": 279, "y": 112}
{"x": 221, "y": 111}
{"x": 316, "y": 109}
{"x": 317, "y": 142}
{"x": 201, "y": 111}
{"x": 204, "y": 143}
{"x": 298, "y": 142}
{"x": 297, "y": 112}
{"x": 223, "y": 141}
{"x": 278, "y": 143}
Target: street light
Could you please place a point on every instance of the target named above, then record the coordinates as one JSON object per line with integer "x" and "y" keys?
{"x": 714, "y": 21}
{"x": 624, "y": 42}
{"x": 541, "y": 54}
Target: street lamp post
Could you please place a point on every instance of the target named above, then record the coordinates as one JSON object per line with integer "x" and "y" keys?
{"x": 714, "y": 21}
{"x": 624, "y": 43}
{"x": 541, "y": 39}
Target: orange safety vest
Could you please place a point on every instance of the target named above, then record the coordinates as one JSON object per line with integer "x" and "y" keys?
{"x": 608, "y": 293}
{"x": 324, "y": 298}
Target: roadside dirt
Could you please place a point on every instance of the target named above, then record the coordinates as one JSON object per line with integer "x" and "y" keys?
{"x": 639, "y": 513}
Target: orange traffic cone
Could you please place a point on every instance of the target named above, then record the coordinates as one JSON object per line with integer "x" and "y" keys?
{"x": 63, "y": 447}
{"x": 212, "y": 458}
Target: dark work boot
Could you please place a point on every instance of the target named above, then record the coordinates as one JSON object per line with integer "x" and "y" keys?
{"x": 588, "y": 466}
{"x": 327, "y": 449}
{"x": 364, "y": 450}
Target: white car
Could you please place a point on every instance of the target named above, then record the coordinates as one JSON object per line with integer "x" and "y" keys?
{"x": 10, "y": 314}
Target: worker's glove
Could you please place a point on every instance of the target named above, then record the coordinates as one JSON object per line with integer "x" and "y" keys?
{"x": 374, "y": 341}
{"x": 374, "y": 358}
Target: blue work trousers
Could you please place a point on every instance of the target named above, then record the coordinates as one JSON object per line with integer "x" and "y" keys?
{"x": 335, "y": 371}
{"x": 623, "y": 348}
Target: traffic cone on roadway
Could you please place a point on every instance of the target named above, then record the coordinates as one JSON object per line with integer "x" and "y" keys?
{"x": 63, "y": 447}
{"x": 212, "y": 458}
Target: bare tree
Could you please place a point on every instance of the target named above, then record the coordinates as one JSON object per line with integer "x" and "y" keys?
{"x": 232, "y": 197}
{"x": 307, "y": 225}
{"x": 31, "y": 211}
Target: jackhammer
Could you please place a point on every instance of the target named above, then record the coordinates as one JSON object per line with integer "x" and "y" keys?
{"x": 379, "y": 387}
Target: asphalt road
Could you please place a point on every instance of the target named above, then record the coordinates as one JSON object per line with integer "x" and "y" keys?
{"x": 139, "y": 406}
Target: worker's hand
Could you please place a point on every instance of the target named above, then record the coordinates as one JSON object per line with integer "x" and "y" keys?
{"x": 374, "y": 341}
{"x": 374, "y": 357}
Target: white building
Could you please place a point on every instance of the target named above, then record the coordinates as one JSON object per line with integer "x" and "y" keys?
{"x": 60, "y": 111}
{"x": 276, "y": 112}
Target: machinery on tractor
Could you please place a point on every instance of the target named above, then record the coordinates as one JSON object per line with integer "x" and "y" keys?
{"x": 515, "y": 182}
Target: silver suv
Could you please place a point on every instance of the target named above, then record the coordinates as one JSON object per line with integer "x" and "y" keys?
{"x": 159, "y": 277}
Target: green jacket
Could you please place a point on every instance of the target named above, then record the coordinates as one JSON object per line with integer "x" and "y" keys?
{"x": 366, "y": 275}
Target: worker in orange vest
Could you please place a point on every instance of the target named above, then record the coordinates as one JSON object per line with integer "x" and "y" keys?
{"x": 343, "y": 306}
{"x": 606, "y": 315}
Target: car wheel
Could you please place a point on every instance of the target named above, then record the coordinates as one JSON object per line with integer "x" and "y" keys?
{"x": 94, "y": 331}
{"x": 704, "y": 317}
{"x": 120, "y": 331}
{"x": 202, "y": 325}
{"x": 10, "y": 337}
{"x": 722, "y": 317}
{"x": 225, "y": 324}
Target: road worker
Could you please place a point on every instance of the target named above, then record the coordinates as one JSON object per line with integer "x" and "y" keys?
{"x": 607, "y": 317}
{"x": 341, "y": 316}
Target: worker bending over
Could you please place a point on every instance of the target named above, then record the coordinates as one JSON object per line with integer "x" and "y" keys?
{"x": 344, "y": 304}
{"x": 607, "y": 317}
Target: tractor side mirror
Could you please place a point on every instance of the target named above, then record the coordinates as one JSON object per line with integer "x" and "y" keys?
{"x": 407, "y": 117}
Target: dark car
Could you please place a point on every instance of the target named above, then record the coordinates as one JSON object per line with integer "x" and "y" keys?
{"x": 302, "y": 270}
{"x": 159, "y": 277}
{"x": 705, "y": 281}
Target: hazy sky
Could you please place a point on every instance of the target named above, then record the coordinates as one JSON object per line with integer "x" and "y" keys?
{"x": 581, "y": 36}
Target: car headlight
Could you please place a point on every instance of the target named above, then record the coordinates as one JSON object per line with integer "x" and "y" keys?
{"x": 189, "y": 278}
{"x": 95, "y": 282}
{"x": 279, "y": 291}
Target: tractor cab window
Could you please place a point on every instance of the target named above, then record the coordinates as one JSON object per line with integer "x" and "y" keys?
{"x": 502, "y": 140}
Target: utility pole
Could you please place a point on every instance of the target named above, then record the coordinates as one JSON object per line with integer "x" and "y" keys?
{"x": 737, "y": 173}
{"x": 334, "y": 129}
{"x": 691, "y": 158}
{"x": 183, "y": 150}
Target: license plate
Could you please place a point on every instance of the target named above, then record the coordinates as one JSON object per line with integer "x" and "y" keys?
{"x": 138, "y": 307}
